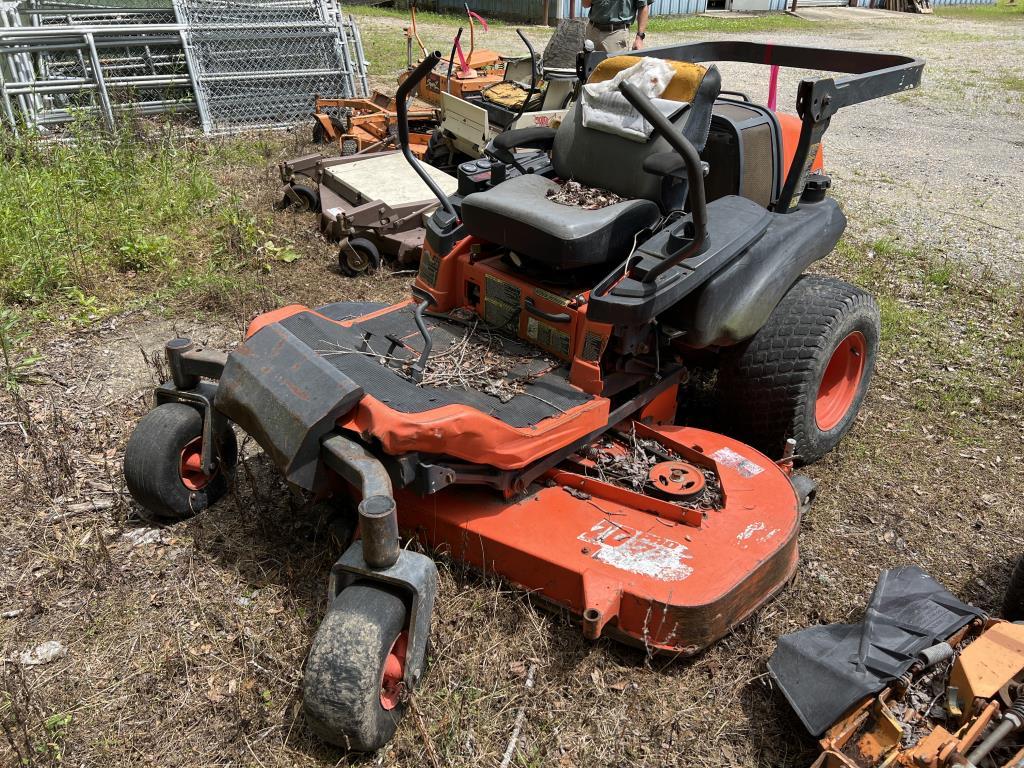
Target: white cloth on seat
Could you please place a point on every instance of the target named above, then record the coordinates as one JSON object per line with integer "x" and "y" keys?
{"x": 606, "y": 109}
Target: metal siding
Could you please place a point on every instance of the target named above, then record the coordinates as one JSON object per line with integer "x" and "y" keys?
{"x": 531, "y": 10}
{"x": 659, "y": 8}
{"x": 935, "y": 3}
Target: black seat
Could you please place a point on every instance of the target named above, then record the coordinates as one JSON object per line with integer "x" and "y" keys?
{"x": 519, "y": 215}
{"x": 556, "y": 235}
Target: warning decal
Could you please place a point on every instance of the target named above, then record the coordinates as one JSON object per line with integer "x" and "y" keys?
{"x": 744, "y": 467}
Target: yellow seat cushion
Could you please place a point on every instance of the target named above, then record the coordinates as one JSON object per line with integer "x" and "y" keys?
{"x": 682, "y": 87}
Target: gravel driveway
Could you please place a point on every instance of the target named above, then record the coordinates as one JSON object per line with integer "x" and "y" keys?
{"x": 933, "y": 168}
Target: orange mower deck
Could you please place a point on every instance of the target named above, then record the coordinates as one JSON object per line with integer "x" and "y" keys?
{"x": 620, "y": 564}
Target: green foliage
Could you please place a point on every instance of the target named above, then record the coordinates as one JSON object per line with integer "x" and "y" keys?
{"x": 766, "y": 22}
{"x": 243, "y": 238}
{"x": 74, "y": 214}
{"x": 16, "y": 361}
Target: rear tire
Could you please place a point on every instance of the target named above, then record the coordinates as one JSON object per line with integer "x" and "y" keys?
{"x": 343, "y": 685}
{"x": 804, "y": 375}
{"x": 155, "y": 464}
{"x": 1013, "y": 602}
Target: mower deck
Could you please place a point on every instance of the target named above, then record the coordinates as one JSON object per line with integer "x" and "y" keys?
{"x": 673, "y": 585}
{"x": 534, "y": 409}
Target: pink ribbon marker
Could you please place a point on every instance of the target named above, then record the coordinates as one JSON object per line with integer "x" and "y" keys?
{"x": 463, "y": 65}
{"x": 773, "y": 86}
{"x": 478, "y": 17}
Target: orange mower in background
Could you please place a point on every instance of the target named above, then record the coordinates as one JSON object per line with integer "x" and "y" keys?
{"x": 924, "y": 681}
{"x": 524, "y": 409}
{"x": 461, "y": 74}
{"x": 367, "y": 125}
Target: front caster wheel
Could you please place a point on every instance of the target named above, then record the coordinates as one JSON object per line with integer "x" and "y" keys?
{"x": 352, "y": 687}
{"x": 300, "y": 195}
{"x": 163, "y": 466}
{"x": 358, "y": 256}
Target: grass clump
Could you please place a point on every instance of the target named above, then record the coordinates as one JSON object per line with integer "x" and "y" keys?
{"x": 80, "y": 213}
{"x": 767, "y": 22}
{"x": 107, "y": 221}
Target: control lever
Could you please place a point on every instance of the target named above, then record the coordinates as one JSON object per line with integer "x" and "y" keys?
{"x": 694, "y": 176}
{"x": 405, "y": 90}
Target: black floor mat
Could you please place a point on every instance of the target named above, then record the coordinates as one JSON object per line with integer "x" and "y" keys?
{"x": 547, "y": 392}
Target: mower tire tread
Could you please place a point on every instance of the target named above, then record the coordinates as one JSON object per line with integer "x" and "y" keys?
{"x": 342, "y": 681}
{"x": 768, "y": 385}
{"x": 152, "y": 461}
{"x": 1013, "y": 602}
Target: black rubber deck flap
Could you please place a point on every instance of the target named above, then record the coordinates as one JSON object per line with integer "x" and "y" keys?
{"x": 823, "y": 671}
{"x": 546, "y": 395}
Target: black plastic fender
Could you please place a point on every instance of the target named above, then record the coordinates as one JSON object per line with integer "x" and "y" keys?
{"x": 734, "y": 304}
{"x": 287, "y": 398}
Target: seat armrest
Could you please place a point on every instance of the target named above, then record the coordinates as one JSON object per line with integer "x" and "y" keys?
{"x": 525, "y": 138}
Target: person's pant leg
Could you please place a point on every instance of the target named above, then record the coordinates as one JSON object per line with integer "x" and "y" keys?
{"x": 612, "y": 42}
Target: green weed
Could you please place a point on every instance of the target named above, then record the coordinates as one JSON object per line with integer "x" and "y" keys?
{"x": 82, "y": 212}
{"x": 15, "y": 357}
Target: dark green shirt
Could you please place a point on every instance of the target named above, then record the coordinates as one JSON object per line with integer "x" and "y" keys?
{"x": 616, "y": 11}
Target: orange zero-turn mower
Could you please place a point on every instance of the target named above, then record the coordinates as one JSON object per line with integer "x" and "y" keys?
{"x": 519, "y": 411}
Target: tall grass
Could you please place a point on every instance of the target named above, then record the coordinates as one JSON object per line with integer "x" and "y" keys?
{"x": 75, "y": 215}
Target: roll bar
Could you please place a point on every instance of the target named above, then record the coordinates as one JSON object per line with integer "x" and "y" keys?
{"x": 533, "y": 76}
{"x": 868, "y": 76}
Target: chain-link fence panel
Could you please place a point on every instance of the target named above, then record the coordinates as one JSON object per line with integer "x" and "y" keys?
{"x": 261, "y": 64}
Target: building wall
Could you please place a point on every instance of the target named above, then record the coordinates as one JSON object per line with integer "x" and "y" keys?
{"x": 532, "y": 10}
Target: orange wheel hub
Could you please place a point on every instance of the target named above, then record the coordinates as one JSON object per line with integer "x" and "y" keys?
{"x": 677, "y": 478}
{"x": 391, "y": 682}
{"x": 191, "y": 466}
{"x": 841, "y": 381}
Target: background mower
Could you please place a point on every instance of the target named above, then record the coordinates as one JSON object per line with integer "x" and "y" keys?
{"x": 519, "y": 411}
{"x": 924, "y": 680}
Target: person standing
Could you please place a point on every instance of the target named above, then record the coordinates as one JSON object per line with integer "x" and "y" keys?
{"x": 609, "y": 22}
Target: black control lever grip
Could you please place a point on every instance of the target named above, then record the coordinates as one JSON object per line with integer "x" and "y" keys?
{"x": 405, "y": 90}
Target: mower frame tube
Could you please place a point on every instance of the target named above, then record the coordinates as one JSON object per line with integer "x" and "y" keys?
{"x": 378, "y": 515}
{"x": 414, "y": 577}
{"x": 533, "y": 76}
{"x": 405, "y": 90}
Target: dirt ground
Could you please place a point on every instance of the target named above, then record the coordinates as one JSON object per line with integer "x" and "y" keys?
{"x": 185, "y": 645}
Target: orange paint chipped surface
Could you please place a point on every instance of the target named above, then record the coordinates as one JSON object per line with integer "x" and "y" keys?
{"x": 989, "y": 662}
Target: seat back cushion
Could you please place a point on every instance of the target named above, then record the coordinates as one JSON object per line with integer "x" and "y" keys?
{"x": 600, "y": 159}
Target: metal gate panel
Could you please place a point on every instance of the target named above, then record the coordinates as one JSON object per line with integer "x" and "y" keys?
{"x": 261, "y": 64}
